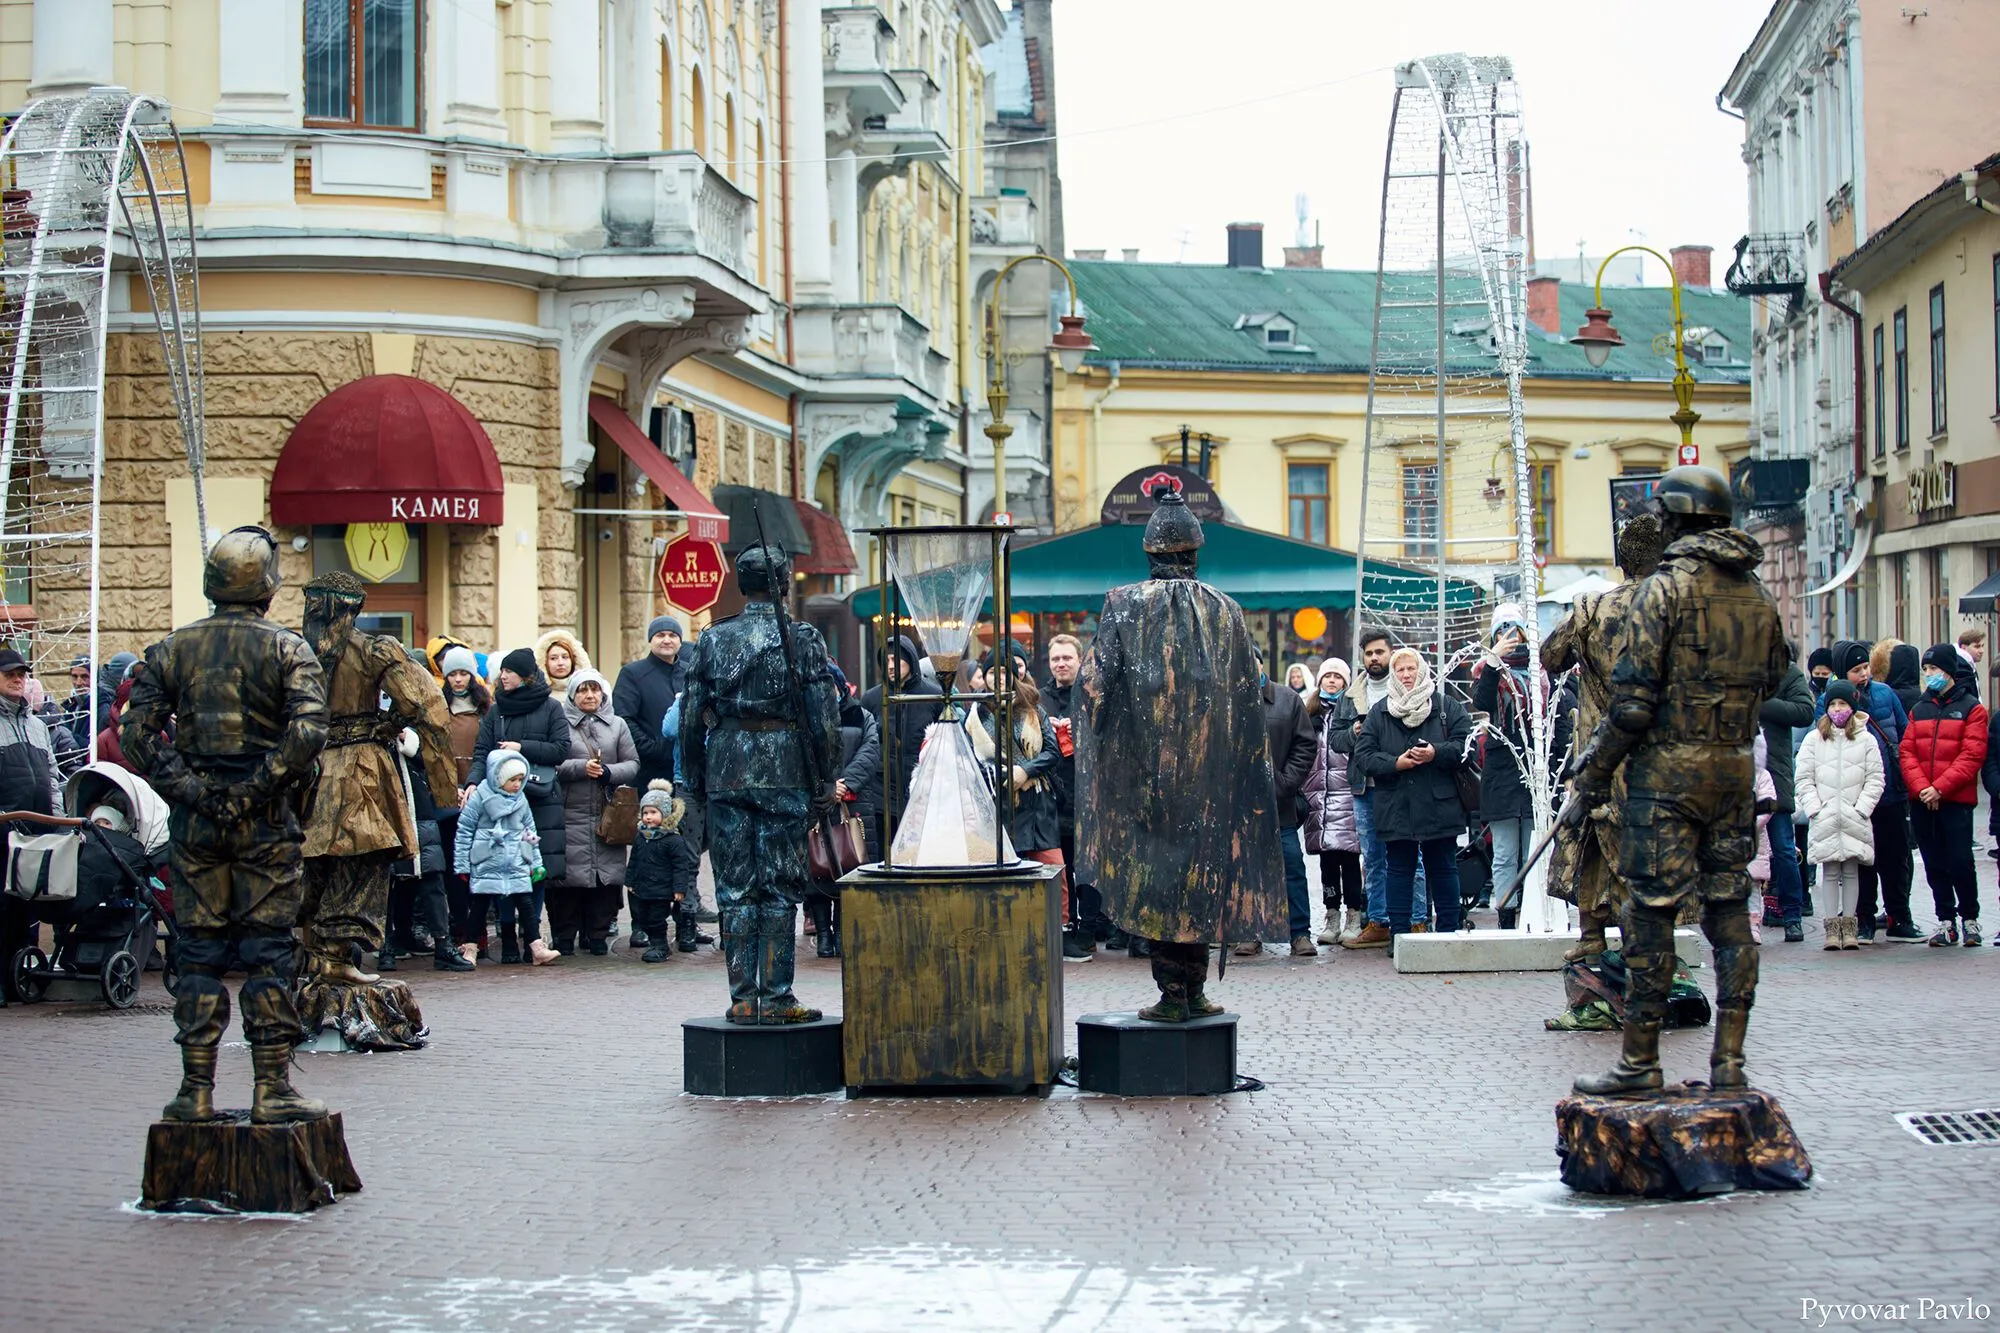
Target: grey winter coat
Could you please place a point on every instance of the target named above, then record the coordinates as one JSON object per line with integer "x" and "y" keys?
{"x": 497, "y": 848}
{"x": 605, "y": 736}
{"x": 1328, "y": 798}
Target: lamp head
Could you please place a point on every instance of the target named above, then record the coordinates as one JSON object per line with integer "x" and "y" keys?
{"x": 1597, "y": 337}
{"x": 1071, "y": 344}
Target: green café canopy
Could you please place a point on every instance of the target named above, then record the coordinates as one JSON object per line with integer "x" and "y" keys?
{"x": 1261, "y": 570}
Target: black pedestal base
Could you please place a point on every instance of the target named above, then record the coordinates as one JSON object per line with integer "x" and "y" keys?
{"x": 724, "y": 1059}
{"x": 1127, "y": 1056}
{"x": 233, "y": 1166}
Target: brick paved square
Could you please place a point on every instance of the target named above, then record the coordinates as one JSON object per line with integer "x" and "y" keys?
{"x": 538, "y": 1168}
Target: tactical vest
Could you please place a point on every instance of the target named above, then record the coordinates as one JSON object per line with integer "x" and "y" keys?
{"x": 1725, "y": 644}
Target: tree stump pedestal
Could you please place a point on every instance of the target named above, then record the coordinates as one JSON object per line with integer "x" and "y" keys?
{"x": 1687, "y": 1140}
{"x": 229, "y": 1165}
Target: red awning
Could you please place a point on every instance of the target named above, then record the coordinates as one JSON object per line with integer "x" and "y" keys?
{"x": 831, "y": 552}
{"x": 387, "y": 449}
{"x": 705, "y": 521}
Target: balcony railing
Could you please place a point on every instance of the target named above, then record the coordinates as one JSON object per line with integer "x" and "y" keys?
{"x": 642, "y": 201}
{"x": 875, "y": 341}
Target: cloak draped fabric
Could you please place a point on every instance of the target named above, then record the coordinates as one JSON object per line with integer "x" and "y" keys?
{"x": 1177, "y": 821}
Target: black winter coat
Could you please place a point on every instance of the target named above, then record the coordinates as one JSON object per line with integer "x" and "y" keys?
{"x": 902, "y": 735}
{"x": 1294, "y": 746}
{"x": 1422, "y": 803}
{"x": 861, "y": 770}
{"x": 646, "y": 689}
{"x": 1906, "y": 675}
{"x": 1791, "y": 707}
{"x": 1035, "y": 826}
{"x": 544, "y": 738}
{"x": 1503, "y": 790}
{"x": 1064, "y": 701}
{"x": 662, "y": 865}
{"x": 430, "y": 858}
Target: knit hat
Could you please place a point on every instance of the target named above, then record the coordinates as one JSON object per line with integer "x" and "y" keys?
{"x": 1943, "y": 656}
{"x": 458, "y": 658}
{"x": 509, "y": 762}
{"x": 659, "y": 796}
{"x": 111, "y": 817}
{"x": 1337, "y": 664}
{"x": 658, "y": 623}
{"x": 587, "y": 676}
{"x": 1842, "y": 691}
{"x": 1820, "y": 657}
{"x": 1849, "y": 654}
{"x": 522, "y": 663}
{"x": 1507, "y": 613}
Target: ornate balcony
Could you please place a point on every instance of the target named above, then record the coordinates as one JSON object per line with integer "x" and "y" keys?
{"x": 855, "y": 54}
{"x": 880, "y": 342}
{"x": 661, "y": 202}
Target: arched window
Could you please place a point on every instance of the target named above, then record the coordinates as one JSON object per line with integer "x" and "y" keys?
{"x": 666, "y": 96}
{"x": 735, "y": 168}
{"x": 882, "y": 260}
{"x": 700, "y": 118}
{"x": 904, "y": 290}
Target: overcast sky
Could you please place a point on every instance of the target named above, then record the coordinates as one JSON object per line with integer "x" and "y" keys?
{"x": 1654, "y": 162}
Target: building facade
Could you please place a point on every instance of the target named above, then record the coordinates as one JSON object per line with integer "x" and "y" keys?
{"x": 656, "y": 248}
{"x": 1929, "y": 284}
{"x": 1837, "y": 100}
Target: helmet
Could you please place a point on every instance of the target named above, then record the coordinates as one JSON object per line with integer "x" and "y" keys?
{"x": 1694, "y": 492}
{"x": 761, "y": 569}
{"x": 242, "y": 568}
{"x": 1173, "y": 527}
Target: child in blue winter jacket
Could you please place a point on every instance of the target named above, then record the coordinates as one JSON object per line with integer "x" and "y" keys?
{"x": 500, "y": 855}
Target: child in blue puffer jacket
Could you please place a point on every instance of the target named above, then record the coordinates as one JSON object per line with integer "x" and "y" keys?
{"x": 500, "y": 855}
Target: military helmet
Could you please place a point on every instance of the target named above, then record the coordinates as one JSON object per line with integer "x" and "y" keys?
{"x": 242, "y": 568}
{"x": 1699, "y": 492}
{"x": 1173, "y": 527}
{"x": 762, "y": 569}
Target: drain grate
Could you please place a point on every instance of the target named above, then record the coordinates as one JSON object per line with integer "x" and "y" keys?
{"x": 96, "y": 1011}
{"x": 1953, "y": 1127}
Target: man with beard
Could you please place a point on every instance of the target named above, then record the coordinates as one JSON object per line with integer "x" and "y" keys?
{"x": 1371, "y": 687}
{"x": 1701, "y": 649}
{"x": 764, "y": 759}
{"x": 1585, "y": 857}
{"x": 248, "y": 701}
{"x": 1177, "y": 822}
{"x": 360, "y": 822}
{"x": 1062, "y": 702}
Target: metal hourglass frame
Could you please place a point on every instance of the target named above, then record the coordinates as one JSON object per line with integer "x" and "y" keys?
{"x": 999, "y": 694}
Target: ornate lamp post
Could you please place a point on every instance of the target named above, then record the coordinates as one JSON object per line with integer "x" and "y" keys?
{"x": 1597, "y": 337}
{"x": 1070, "y": 345}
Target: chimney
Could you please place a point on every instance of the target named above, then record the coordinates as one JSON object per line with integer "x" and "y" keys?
{"x": 1246, "y": 245}
{"x": 1131, "y": 256}
{"x": 1303, "y": 256}
{"x": 1691, "y": 264}
{"x": 1086, "y": 254}
{"x": 1545, "y": 304}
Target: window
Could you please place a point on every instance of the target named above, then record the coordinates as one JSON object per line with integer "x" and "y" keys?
{"x": 1940, "y": 585}
{"x": 1420, "y": 509}
{"x": 1902, "y": 322}
{"x": 1542, "y": 494}
{"x": 1307, "y": 486}
{"x": 363, "y": 59}
{"x": 700, "y": 94}
{"x": 1277, "y": 334}
{"x": 1937, "y": 363}
{"x": 1881, "y": 399}
{"x": 666, "y": 95}
{"x": 1996, "y": 348}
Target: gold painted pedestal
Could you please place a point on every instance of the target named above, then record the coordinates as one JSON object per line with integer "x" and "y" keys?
{"x": 951, "y": 981}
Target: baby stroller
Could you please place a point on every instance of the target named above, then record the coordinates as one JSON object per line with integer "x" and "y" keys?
{"x": 94, "y": 886}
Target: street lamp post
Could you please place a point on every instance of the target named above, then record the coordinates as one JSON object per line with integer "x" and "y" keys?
{"x": 1070, "y": 345}
{"x": 1597, "y": 338}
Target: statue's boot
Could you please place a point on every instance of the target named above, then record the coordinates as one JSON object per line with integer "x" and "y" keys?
{"x": 776, "y": 964}
{"x": 1590, "y": 938}
{"x": 1170, "y": 975}
{"x": 201, "y": 1015}
{"x": 274, "y": 1101}
{"x": 1194, "y": 974}
{"x": 740, "y": 942}
{"x": 1649, "y": 969}
{"x": 1736, "y": 965}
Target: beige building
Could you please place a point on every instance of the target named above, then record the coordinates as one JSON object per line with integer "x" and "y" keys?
{"x": 652, "y": 249}
{"x": 1928, "y": 286}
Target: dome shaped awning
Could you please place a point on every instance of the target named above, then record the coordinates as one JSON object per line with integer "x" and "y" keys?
{"x": 387, "y": 449}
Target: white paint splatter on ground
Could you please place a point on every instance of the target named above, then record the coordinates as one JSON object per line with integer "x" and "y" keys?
{"x": 1542, "y": 1194}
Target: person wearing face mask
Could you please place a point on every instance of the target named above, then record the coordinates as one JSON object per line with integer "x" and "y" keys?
{"x": 1891, "y": 870}
{"x": 1502, "y": 690}
{"x": 1839, "y": 781}
{"x": 1820, "y": 667}
{"x": 1941, "y": 757}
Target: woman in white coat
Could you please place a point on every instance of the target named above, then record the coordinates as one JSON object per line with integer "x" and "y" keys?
{"x": 1838, "y": 781}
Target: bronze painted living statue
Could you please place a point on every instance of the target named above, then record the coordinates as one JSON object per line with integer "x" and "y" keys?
{"x": 760, "y": 737}
{"x": 361, "y": 820}
{"x": 1177, "y": 820}
{"x": 1584, "y": 866}
{"x": 1701, "y": 650}
{"x": 247, "y": 702}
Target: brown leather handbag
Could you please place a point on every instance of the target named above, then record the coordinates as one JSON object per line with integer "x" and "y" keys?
{"x": 835, "y": 846}
{"x": 618, "y": 826}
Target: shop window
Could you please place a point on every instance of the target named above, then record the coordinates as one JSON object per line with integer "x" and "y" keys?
{"x": 364, "y": 60}
{"x": 1940, "y": 589}
{"x": 1901, "y": 593}
{"x": 397, "y": 597}
{"x": 1937, "y": 363}
{"x": 1307, "y": 487}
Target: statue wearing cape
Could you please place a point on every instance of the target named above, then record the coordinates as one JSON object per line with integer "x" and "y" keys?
{"x": 1177, "y": 819}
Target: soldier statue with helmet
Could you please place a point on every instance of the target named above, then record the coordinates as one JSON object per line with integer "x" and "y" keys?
{"x": 247, "y": 702}
{"x": 1699, "y": 651}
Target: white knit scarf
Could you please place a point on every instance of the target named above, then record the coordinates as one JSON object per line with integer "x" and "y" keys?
{"x": 1410, "y": 704}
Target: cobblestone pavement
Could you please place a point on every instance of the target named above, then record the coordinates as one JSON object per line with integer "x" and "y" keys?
{"x": 538, "y": 1168}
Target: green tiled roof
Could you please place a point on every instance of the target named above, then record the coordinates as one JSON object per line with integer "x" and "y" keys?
{"x": 1184, "y": 316}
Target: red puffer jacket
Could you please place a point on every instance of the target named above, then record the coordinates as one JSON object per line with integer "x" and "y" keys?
{"x": 1945, "y": 745}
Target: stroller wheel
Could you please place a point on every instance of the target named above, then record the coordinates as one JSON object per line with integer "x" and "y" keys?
{"x": 120, "y": 980}
{"x": 29, "y": 972}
